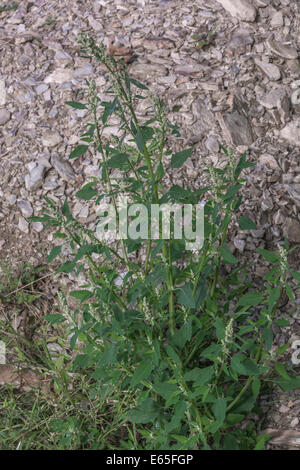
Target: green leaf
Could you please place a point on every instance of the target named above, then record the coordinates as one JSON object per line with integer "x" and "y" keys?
{"x": 256, "y": 384}
{"x": 200, "y": 376}
{"x": 242, "y": 164}
{"x": 268, "y": 255}
{"x": 54, "y": 253}
{"x": 67, "y": 267}
{"x": 55, "y": 318}
{"x": 186, "y": 297}
{"x": 146, "y": 412}
{"x": 165, "y": 389}
{"x": 268, "y": 337}
{"x": 158, "y": 275}
{"x": 138, "y": 84}
{"x": 228, "y": 257}
{"x": 78, "y": 151}
{"x": 173, "y": 355}
{"x": 76, "y": 104}
{"x": 118, "y": 161}
{"x": 247, "y": 224}
{"x": 261, "y": 441}
{"x": 296, "y": 275}
{"x": 246, "y": 367}
{"x": 81, "y": 294}
{"x": 87, "y": 192}
{"x": 141, "y": 373}
{"x": 252, "y": 299}
{"x": 280, "y": 369}
{"x": 179, "y": 158}
{"x": 286, "y": 385}
{"x": 140, "y": 141}
{"x": 219, "y": 410}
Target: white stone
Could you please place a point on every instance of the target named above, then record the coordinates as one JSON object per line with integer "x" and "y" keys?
{"x": 241, "y": 9}
{"x": 59, "y": 76}
{"x": 2, "y": 93}
{"x": 51, "y": 139}
{"x": 291, "y": 132}
{"x": 23, "y": 225}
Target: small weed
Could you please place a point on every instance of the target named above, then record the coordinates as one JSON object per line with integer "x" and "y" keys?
{"x": 9, "y": 7}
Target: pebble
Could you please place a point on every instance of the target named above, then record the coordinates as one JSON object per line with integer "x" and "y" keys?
{"x": 41, "y": 88}
{"x": 269, "y": 100}
{"x": 26, "y": 208}
{"x": 23, "y": 225}
{"x": 59, "y": 76}
{"x": 37, "y": 226}
{"x": 23, "y": 95}
{"x": 2, "y": 93}
{"x": 63, "y": 168}
{"x": 241, "y": 9}
{"x": 281, "y": 50}
{"x": 155, "y": 70}
{"x": 239, "y": 244}
{"x": 187, "y": 69}
{"x": 239, "y": 41}
{"x": 277, "y": 19}
{"x": 4, "y": 116}
{"x": 51, "y": 139}
{"x": 291, "y": 132}
{"x": 212, "y": 144}
{"x": 34, "y": 179}
{"x": 271, "y": 70}
{"x": 291, "y": 230}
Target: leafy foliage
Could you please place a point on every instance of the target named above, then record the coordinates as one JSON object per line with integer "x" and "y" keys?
{"x": 166, "y": 328}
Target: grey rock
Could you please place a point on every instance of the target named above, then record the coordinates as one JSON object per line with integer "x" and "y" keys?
{"x": 271, "y": 70}
{"x": 293, "y": 190}
{"x": 51, "y": 139}
{"x": 84, "y": 71}
{"x": 291, "y": 230}
{"x": 41, "y": 88}
{"x": 4, "y": 116}
{"x": 59, "y": 76}
{"x": 23, "y": 225}
{"x": 96, "y": 25}
{"x": 24, "y": 94}
{"x": 241, "y": 9}
{"x": 239, "y": 41}
{"x": 239, "y": 244}
{"x": 34, "y": 179}
{"x": 2, "y": 93}
{"x": 188, "y": 69}
{"x": 277, "y": 19}
{"x": 269, "y": 100}
{"x": 212, "y": 144}
{"x": 26, "y": 208}
{"x": 154, "y": 70}
{"x": 291, "y": 132}
{"x": 63, "y": 168}
{"x": 281, "y": 50}
{"x": 63, "y": 57}
{"x": 236, "y": 125}
{"x": 37, "y": 226}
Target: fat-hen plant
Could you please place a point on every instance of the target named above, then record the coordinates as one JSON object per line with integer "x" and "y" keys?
{"x": 187, "y": 344}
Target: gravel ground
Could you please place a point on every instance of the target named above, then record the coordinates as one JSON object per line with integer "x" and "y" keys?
{"x": 229, "y": 71}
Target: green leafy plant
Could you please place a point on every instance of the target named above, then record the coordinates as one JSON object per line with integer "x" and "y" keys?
{"x": 186, "y": 345}
{"x": 8, "y": 7}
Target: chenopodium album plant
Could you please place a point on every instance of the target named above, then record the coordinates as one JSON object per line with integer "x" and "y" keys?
{"x": 188, "y": 346}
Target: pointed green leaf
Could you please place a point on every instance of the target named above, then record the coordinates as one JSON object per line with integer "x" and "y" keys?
{"x": 179, "y": 158}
